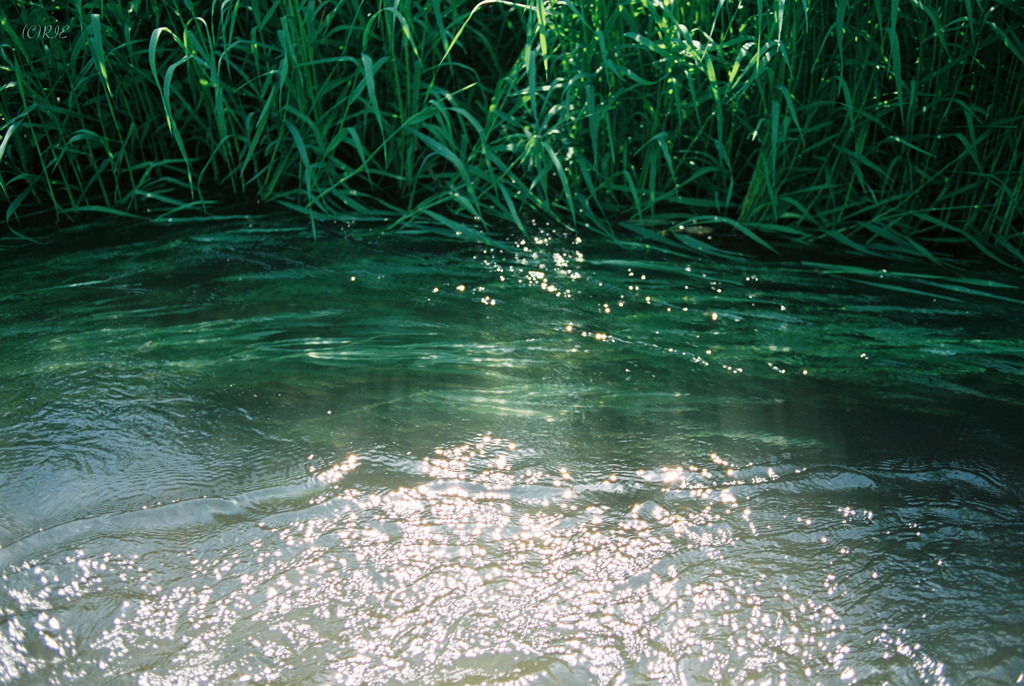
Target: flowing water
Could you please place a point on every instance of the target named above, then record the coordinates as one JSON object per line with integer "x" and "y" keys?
{"x": 234, "y": 455}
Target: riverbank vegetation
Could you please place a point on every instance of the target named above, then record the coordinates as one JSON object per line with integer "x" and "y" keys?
{"x": 887, "y": 127}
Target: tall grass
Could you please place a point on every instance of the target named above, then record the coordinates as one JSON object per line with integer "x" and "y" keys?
{"x": 892, "y": 127}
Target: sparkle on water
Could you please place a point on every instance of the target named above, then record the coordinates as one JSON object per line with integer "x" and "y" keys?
{"x": 235, "y": 456}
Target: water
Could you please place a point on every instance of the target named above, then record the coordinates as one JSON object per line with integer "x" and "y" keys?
{"x": 236, "y": 456}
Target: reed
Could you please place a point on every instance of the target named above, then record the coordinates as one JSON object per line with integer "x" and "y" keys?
{"x": 888, "y": 127}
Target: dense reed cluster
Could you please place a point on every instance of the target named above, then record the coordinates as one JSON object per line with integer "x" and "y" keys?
{"x": 893, "y": 127}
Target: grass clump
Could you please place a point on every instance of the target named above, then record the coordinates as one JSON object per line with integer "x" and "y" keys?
{"x": 888, "y": 127}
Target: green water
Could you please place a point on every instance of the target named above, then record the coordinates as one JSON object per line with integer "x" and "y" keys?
{"x": 233, "y": 455}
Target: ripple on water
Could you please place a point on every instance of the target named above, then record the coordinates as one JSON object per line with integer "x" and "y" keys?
{"x": 487, "y": 564}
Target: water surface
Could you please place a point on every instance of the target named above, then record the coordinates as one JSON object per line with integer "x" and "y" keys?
{"x": 233, "y": 455}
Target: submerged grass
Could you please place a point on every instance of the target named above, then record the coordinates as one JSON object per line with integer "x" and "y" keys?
{"x": 888, "y": 127}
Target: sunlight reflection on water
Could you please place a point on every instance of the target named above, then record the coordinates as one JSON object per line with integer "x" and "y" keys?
{"x": 490, "y": 565}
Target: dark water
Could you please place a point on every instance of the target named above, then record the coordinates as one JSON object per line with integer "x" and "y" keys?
{"x": 232, "y": 456}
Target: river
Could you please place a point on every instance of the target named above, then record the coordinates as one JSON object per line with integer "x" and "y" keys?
{"x": 232, "y": 454}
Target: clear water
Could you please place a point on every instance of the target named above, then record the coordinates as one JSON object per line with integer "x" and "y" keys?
{"x": 238, "y": 456}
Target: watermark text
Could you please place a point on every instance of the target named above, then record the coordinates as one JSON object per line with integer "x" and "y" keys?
{"x": 45, "y": 31}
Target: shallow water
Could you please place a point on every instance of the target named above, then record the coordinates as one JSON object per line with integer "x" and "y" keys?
{"x": 234, "y": 455}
